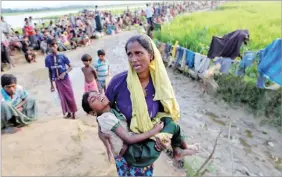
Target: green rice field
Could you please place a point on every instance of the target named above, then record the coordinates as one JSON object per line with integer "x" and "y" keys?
{"x": 262, "y": 19}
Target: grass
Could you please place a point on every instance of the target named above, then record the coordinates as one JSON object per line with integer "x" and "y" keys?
{"x": 262, "y": 19}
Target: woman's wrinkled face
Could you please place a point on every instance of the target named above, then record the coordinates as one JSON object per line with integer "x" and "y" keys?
{"x": 98, "y": 102}
{"x": 139, "y": 58}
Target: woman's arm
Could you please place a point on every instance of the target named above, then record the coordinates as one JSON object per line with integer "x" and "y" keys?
{"x": 131, "y": 139}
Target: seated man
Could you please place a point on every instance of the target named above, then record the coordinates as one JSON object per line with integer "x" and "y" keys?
{"x": 17, "y": 108}
{"x": 29, "y": 54}
{"x": 14, "y": 42}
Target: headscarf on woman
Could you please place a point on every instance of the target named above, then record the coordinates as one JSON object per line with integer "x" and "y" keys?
{"x": 141, "y": 121}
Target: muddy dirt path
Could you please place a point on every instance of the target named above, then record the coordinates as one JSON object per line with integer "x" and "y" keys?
{"x": 54, "y": 146}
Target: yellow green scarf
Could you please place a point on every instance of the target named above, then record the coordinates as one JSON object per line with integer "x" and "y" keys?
{"x": 141, "y": 121}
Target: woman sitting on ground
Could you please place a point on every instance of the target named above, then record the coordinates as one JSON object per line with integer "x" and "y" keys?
{"x": 14, "y": 43}
{"x": 17, "y": 108}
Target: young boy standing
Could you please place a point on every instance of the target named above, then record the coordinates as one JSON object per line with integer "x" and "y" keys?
{"x": 102, "y": 68}
{"x": 89, "y": 74}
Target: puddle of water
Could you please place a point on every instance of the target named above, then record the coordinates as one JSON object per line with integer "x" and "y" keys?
{"x": 214, "y": 118}
{"x": 249, "y": 133}
{"x": 244, "y": 143}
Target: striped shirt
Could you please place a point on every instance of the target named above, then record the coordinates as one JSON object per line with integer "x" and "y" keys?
{"x": 102, "y": 69}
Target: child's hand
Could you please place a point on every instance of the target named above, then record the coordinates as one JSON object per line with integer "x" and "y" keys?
{"x": 159, "y": 126}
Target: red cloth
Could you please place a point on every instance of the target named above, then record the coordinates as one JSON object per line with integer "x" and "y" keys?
{"x": 28, "y": 30}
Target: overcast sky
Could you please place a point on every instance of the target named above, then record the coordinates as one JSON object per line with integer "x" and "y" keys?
{"x": 40, "y": 4}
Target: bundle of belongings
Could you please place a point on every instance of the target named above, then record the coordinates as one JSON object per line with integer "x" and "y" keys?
{"x": 229, "y": 45}
{"x": 227, "y": 48}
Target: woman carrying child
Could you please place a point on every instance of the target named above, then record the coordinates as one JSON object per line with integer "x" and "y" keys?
{"x": 147, "y": 75}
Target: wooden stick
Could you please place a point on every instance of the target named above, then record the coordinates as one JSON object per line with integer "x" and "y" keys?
{"x": 206, "y": 170}
{"x": 208, "y": 159}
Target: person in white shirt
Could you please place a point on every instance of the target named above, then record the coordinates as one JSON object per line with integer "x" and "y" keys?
{"x": 5, "y": 27}
{"x": 149, "y": 14}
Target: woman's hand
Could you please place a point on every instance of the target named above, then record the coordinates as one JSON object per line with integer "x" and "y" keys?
{"x": 123, "y": 150}
{"x": 158, "y": 127}
{"x": 160, "y": 146}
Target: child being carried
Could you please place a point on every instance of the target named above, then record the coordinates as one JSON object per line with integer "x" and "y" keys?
{"x": 137, "y": 149}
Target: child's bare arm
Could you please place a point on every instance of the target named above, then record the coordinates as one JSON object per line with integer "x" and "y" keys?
{"x": 94, "y": 73}
{"x": 131, "y": 139}
{"x": 106, "y": 141}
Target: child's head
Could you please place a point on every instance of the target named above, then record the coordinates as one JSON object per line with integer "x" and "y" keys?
{"x": 94, "y": 103}
{"x": 101, "y": 54}
{"x": 86, "y": 59}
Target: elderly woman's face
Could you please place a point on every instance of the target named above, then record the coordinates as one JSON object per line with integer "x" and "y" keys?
{"x": 138, "y": 57}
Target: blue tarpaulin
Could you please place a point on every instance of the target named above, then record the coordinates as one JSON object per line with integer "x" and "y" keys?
{"x": 270, "y": 64}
